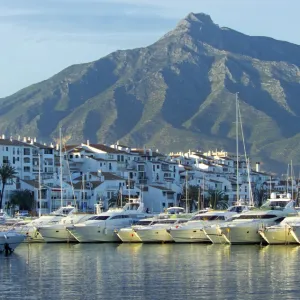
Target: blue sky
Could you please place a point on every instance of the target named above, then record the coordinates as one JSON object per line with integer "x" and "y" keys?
{"x": 41, "y": 37}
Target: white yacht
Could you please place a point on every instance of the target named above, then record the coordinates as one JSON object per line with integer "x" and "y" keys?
{"x": 284, "y": 233}
{"x": 7, "y": 220}
{"x": 128, "y": 234}
{"x": 30, "y": 229}
{"x": 10, "y": 240}
{"x": 101, "y": 228}
{"x": 57, "y": 232}
{"x": 192, "y": 231}
{"x": 244, "y": 228}
{"x": 157, "y": 231}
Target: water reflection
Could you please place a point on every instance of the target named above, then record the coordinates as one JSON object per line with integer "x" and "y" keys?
{"x": 138, "y": 271}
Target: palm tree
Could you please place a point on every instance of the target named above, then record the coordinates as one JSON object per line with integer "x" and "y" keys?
{"x": 6, "y": 172}
{"x": 217, "y": 199}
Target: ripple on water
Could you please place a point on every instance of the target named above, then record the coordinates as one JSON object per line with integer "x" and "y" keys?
{"x": 138, "y": 271}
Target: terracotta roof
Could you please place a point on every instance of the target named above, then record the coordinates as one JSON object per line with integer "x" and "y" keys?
{"x": 162, "y": 188}
{"x": 111, "y": 176}
{"x": 141, "y": 152}
{"x": 33, "y": 183}
{"x": 105, "y": 148}
{"x": 98, "y": 159}
{"x": 69, "y": 147}
{"x": 9, "y": 142}
{"x": 79, "y": 185}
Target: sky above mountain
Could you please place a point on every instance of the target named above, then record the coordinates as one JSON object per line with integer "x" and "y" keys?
{"x": 40, "y": 38}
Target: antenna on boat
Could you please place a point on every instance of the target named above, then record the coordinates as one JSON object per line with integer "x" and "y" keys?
{"x": 237, "y": 146}
{"x": 60, "y": 163}
{"x": 186, "y": 191}
{"x": 39, "y": 191}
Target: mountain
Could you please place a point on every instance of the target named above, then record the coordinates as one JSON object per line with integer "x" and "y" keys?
{"x": 176, "y": 94}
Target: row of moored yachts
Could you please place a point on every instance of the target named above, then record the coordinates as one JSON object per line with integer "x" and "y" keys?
{"x": 276, "y": 222}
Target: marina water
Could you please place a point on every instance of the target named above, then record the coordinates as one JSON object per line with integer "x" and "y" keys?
{"x": 150, "y": 271}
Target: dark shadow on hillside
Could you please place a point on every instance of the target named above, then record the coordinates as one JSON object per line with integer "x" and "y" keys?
{"x": 92, "y": 124}
{"x": 129, "y": 112}
{"x": 49, "y": 117}
{"x": 261, "y": 100}
{"x": 95, "y": 81}
{"x": 186, "y": 92}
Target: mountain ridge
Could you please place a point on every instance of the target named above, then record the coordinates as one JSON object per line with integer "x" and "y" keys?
{"x": 176, "y": 94}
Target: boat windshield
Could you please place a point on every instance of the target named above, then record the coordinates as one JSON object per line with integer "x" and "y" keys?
{"x": 98, "y": 218}
{"x": 208, "y": 218}
{"x": 143, "y": 222}
{"x": 254, "y": 217}
{"x": 278, "y": 204}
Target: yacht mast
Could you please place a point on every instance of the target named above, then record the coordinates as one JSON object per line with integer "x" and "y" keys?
{"x": 39, "y": 191}
{"x": 186, "y": 192}
{"x": 237, "y": 148}
{"x": 60, "y": 163}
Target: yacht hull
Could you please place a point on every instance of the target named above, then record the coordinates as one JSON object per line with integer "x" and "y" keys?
{"x": 93, "y": 234}
{"x": 295, "y": 232}
{"x": 157, "y": 235}
{"x": 214, "y": 234}
{"x": 280, "y": 235}
{"x": 128, "y": 235}
{"x": 31, "y": 233}
{"x": 11, "y": 239}
{"x": 241, "y": 235}
{"x": 57, "y": 234}
{"x": 191, "y": 235}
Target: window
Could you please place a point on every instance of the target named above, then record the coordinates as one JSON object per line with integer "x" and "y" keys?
{"x": 153, "y": 168}
{"x": 6, "y": 148}
{"x": 26, "y": 151}
{"x": 26, "y": 169}
{"x": 26, "y": 160}
{"x": 5, "y": 160}
{"x": 71, "y": 156}
{"x": 14, "y": 160}
{"x": 157, "y": 167}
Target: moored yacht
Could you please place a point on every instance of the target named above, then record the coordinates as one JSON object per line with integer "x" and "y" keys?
{"x": 244, "y": 228}
{"x": 283, "y": 233}
{"x": 30, "y": 229}
{"x": 128, "y": 234}
{"x": 57, "y": 233}
{"x": 192, "y": 231}
{"x": 157, "y": 231}
{"x": 102, "y": 227}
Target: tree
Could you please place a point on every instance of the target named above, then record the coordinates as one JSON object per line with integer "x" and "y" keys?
{"x": 192, "y": 195}
{"x": 6, "y": 172}
{"x": 23, "y": 198}
{"x": 217, "y": 199}
{"x": 260, "y": 194}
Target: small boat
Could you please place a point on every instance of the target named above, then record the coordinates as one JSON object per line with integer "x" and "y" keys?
{"x": 10, "y": 240}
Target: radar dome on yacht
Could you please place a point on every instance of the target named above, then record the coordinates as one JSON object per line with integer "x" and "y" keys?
{"x": 273, "y": 195}
{"x": 289, "y": 195}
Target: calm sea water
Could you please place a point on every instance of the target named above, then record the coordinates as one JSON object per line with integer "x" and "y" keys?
{"x": 137, "y": 271}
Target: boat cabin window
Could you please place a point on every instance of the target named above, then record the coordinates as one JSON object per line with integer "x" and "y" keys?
{"x": 119, "y": 217}
{"x": 143, "y": 222}
{"x": 251, "y": 217}
{"x": 99, "y": 218}
{"x": 237, "y": 209}
{"x": 181, "y": 221}
{"x": 208, "y": 218}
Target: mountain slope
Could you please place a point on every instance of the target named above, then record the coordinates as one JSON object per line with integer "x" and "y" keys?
{"x": 173, "y": 95}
